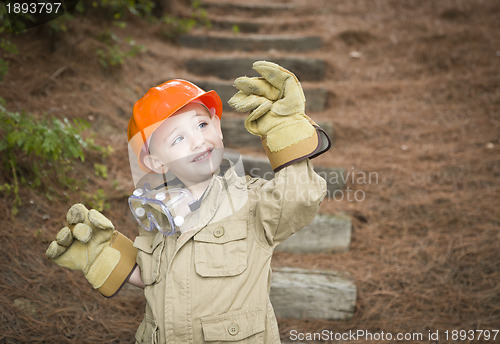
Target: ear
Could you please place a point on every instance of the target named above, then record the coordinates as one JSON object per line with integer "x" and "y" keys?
{"x": 216, "y": 121}
{"x": 155, "y": 164}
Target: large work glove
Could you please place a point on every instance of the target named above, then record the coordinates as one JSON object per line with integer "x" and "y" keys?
{"x": 276, "y": 103}
{"x": 91, "y": 244}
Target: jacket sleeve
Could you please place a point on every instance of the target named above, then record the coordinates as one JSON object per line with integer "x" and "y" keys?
{"x": 289, "y": 202}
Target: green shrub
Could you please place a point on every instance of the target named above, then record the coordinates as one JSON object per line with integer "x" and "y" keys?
{"x": 97, "y": 200}
{"x": 116, "y": 9}
{"x": 101, "y": 170}
{"x": 175, "y": 26}
{"x": 112, "y": 55}
{"x": 6, "y": 46}
{"x": 34, "y": 151}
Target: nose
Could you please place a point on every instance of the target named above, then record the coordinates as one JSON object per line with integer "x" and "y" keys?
{"x": 197, "y": 140}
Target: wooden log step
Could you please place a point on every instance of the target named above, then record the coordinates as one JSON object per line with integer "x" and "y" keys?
{"x": 316, "y": 98}
{"x": 306, "y": 69}
{"x": 310, "y": 294}
{"x": 251, "y": 43}
{"x": 325, "y": 234}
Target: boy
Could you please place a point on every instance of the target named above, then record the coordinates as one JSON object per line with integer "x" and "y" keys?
{"x": 209, "y": 282}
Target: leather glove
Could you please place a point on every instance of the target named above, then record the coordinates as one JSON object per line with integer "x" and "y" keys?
{"x": 276, "y": 103}
{"x": 91, "y": 244}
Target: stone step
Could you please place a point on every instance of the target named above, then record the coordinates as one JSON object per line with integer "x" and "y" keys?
{"x": 251, "y": 43}
{"x": 311, "y": 294}
{"x": 306, "y": 69}
{"x": 242, "y": 26}
{"x": 251, "y": 25}
{"x": 261, "y": 25}
{"x": 335, "y": 182}
{"x": 325, "y": 234}
{"x": 264, "y": 9}
{"x": 316, "y": 97}
{"x": 235, "y": 134}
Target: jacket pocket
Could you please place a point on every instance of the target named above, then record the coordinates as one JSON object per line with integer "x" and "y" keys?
{"x": 149, "y": 256}
{"x": 221, "y": 249}
{"x": 245, "y": 326}
{"x": 147, "y": 332}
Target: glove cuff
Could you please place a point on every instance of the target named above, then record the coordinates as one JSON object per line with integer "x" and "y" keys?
{"x": 310, "y": 147}
{"x": 121, "y": 272}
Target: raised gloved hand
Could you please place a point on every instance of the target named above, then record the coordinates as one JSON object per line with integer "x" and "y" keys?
{"x": 277, "y": 114}
{"x": 91, "y": 244}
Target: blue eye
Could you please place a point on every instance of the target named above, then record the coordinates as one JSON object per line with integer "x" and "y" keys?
{"x": 202, "y": 125}
{"x": 177, "y": 140}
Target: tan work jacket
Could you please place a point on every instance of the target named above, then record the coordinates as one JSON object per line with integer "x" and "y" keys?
{"x": 211, "y": 285}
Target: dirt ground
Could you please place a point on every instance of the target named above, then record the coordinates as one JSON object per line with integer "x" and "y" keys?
{"x": 414, "y": 100}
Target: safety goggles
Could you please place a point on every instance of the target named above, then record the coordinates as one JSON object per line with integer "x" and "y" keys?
{"x": 164, "y": 209}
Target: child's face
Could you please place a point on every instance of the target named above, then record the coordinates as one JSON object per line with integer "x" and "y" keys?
{"x": 189, "y": 144}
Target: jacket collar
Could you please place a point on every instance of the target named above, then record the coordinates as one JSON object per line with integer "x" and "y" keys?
{"x": 222, "y": 198}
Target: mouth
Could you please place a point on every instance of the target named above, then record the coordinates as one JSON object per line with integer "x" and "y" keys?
{"x": 203, "y": 156}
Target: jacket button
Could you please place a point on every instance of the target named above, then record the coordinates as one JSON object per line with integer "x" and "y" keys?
{"x": 233, "y": 330}
{"x": 218, "y": 232}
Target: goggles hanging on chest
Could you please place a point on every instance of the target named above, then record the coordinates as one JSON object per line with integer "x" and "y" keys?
{"x": 164, "y": 210}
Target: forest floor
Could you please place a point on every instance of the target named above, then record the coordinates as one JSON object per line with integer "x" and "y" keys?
{"x": 414, "y": 98}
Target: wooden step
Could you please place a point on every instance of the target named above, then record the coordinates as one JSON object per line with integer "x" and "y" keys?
{"x": 325, "y": 234}
{"x": 251, "y": 43}
{"x": 316, "y": 98}
{"x": 312, "y": 294}
{"x": 260, "y": 167}
{"x": 306, "y": 69}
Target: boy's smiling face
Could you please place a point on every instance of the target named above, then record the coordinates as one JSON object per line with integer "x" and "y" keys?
{"x": 189, "y": 144}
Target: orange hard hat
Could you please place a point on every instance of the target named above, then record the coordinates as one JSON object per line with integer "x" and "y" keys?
{"x": 161, "y": 102}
